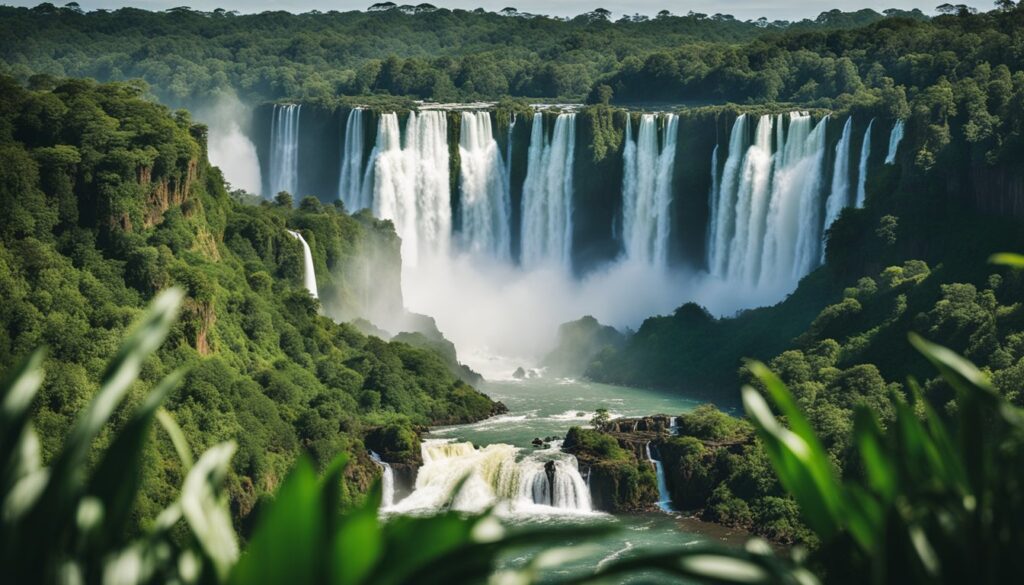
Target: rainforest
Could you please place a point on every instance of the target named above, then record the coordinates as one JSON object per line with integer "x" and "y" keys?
{"x": 423, "y": 294}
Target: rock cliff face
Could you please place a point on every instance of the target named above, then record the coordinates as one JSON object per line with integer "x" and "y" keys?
{"x": 166, "y": 192}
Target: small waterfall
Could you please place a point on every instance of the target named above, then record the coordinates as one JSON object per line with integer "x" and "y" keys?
{"x": 839, "y": 197}
{"x": 495, "y": 474}
{"x": 284, "y": 149}
{"x": 862, "y": 170}
{"x": 409, "y": 182}
{"x": 664, "y": 498}
{"x": 647, "y": 188}
{"x": 309, "y": 271}
{"x": 547, "y": 193}
{"x": 725, "y": 200}
{"x": 486, "y": 207}
{"x": 387, "y": 481}
{"x": 895, "y": 137}
{"x": 350, "y": 185}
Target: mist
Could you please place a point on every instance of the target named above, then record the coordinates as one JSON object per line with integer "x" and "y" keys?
{"x": 229, "y": 145}
{"x": 501, "y": 316}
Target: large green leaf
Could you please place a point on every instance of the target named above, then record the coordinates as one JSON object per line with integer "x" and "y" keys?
{"x": 879, "y": 468}
{"x": 116, "y": 479}
{"x": 290, "y": 540}
{"x": 802, "y": 466}
{"x": 204, "y": 507}
{"x": 17, "y": 393}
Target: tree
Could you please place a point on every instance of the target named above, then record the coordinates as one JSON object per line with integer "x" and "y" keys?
{"x": 601, "y": 94}
{"x": 284, "y": 199}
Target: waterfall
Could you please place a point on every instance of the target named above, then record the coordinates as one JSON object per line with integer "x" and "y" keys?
{"x": 387, "y": 481}
{"x": 308, "y": 270}
{"x": 350, "y": 185}
{"x": 486, "y": 208}
{"x": 284, "y": 149}
{"x": 508, "y": 154}
{"x": 766, "y": 218}
{"x": 495, "y": 474}
{"x": 664, "y": 498}
{"x": 794, "y": 226}
{"x": 862, "y": 170}
{"x": 647, "y": 188}
{"x": 751, "y": 208}
{"x": 547, "y": 193}
{"x": 722, "y": 211}
{"x": 894, "y": 142}
{"x": 408, "y": 182}
{"x": 839, "y": 197}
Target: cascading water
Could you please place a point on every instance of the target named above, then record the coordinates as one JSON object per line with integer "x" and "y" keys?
{"x": 862, "y": 170}
{"x": 350, "y": 185}
{"x": 547, "y": 193}
{"x": 409, "y": 182}
{"x": 839, "y": 197}
{"x": 387, "y": 481}
{"x": 647, "y": 188}
{"x": 752, "y": 205}
{"x": 766, "y": 222}
{"x": 284, "y": 149}
{"x": 308, "y": 270}
{"x": 486, "y": 208}
{"x": 494, "y": 474}
{"x": 664, "y": 497}
{"x": 722, "y": 212}
{"x": 895, "y": 137}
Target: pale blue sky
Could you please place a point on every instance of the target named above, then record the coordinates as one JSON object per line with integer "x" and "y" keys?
{"x": 743, "y": 9}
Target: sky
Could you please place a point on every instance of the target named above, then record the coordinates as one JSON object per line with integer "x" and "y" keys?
{"x": 742, "y": 9}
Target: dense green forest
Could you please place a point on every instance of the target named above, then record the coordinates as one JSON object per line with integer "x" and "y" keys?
{"x": 108, "y": 198}
{"x": 440, "y": 54}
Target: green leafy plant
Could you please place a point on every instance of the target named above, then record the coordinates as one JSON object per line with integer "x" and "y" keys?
{"x": 930, "y": 503}
{"x": 68, "y": 523}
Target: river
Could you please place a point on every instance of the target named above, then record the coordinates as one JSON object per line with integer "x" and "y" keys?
{"x": 542, "y": 408}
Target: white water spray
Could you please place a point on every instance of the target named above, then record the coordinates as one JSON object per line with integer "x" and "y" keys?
{"x": 284, "y": 149}
{"x": 485, "y": 204}
{"x": 496, "y": 475}
{"x": 547, "y": 194}
{"x": 647, "y": 188}
{"x": 862, "y": 170}
{"x": 350, "y": 185}
{"x": 664, "y": 497}
{"x": 387, "y": 481}
{"x": 308, "y": 270}
{"x": 766, "y": 222}
{"x": 409, "y": 182}
{"x": 895, "y": 137}
{"x": 722, "y": 213}
{"x": 839, "y": 197}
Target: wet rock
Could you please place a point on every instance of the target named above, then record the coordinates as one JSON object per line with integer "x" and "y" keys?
{"x": 519, "y": 374}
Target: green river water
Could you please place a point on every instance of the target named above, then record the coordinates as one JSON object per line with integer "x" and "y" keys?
{"x": 543, "y": 407}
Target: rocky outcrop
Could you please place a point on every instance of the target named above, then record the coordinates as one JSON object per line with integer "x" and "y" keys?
{"x": 166, "y": 192}
{"x": 620, "y": 480}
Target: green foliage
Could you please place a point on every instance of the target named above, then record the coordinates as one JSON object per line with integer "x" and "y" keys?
{"x": 67, "y": 522}
{"x": 933, "y": 504}
{"x": 264, "y": 367}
